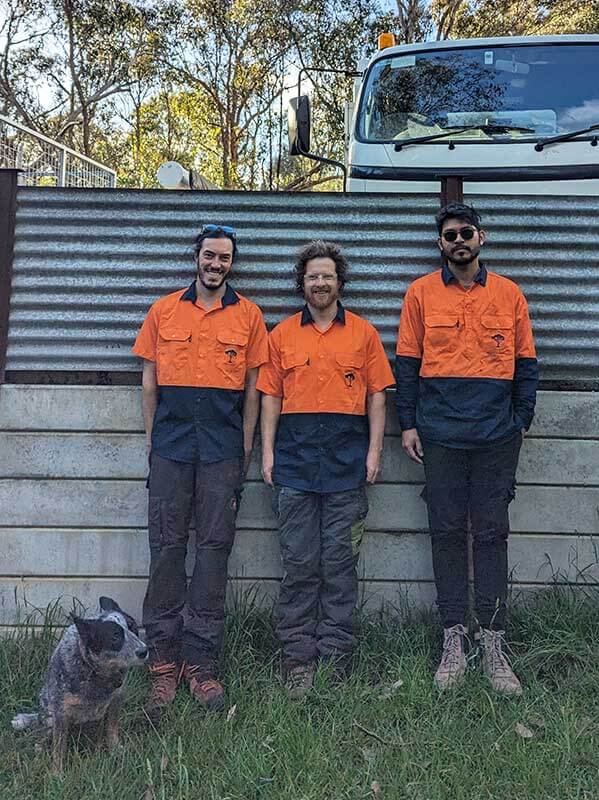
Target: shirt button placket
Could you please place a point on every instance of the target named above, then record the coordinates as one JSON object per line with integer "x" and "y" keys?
{"x": 202, "y": 346}
{"x": 467, "y": 330}
{"x": 320, "y": 369}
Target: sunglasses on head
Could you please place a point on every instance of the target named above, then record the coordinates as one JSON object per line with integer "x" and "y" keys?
{"x": 226, "y": 229}
{"x": 465, "y": 233}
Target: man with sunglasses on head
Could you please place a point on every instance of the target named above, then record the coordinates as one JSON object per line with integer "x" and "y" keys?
{"x": 202, "y": 347}
{"x": 323, "y": 419}
{"x": 466, "y": 388}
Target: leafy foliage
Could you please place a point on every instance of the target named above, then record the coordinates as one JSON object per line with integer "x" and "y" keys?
{"x": 206, "y": 82}
{"x": 463, "y": 19}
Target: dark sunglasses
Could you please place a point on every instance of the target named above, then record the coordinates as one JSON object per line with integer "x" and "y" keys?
{"x": 226, "y": 229}
{"x": 465, "y": 233}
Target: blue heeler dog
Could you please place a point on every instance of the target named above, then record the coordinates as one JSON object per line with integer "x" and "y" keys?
{"x": 85, "y": 676}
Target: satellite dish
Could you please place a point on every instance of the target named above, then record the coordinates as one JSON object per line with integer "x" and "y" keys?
{"x": 171, "y": 175}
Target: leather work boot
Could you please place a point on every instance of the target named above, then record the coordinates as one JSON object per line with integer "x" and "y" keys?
{"x": 299, "y": 679}
{"x": 165, "y": 677}
{"x": 495, "y": 664}
{"x": 204, "y": 688}
{"x": 452, "y": 667}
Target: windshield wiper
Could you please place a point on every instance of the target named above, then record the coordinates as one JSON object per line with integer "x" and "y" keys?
{"x": 488, "y": 127}
{"x": 564, "y": 137}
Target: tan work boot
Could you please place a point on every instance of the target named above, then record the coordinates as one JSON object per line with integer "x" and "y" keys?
{"x": 165, "y": 676}
{"x": 452, "y": 668}
{"x": 204, "y": 688}
{"x": 299, "y": 679}
{"x": 495, "y": 664}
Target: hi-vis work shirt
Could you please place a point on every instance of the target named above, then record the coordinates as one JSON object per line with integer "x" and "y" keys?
{"x": 324, "y": 378}
{"x": 466, "y": 366}
{"x": 201, "y": 362}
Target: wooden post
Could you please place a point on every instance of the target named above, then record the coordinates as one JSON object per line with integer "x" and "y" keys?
{"x": 452, "y": 190}
{"x": 8, "y": 205}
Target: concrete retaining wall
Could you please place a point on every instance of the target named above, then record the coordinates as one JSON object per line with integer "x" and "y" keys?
{"x": 73, "y": 505}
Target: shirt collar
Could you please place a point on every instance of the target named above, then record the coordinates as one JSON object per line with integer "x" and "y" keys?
{"x": 339, "y": 316}
{"x": 480, "y": 277}
{"x": 228, "y": 299}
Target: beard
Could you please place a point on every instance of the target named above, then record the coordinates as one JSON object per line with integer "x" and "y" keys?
{"x": 212, "y": 279}
{"x": 466, "y": 257}
{"x": 321, "y": 298}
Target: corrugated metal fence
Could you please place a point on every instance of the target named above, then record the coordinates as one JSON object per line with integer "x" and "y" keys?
{"x": 88, "y": 263}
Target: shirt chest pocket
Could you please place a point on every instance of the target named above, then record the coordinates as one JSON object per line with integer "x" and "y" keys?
{"x": 497, "y": 334}
{"x": 173, "y": 353}
{"x": 292, "y": 360}
{"x": 294, "y": 364}
{"x": 350, "y": 367}
{"x": 231, "y": 354}
{"x": 441, "y": 333}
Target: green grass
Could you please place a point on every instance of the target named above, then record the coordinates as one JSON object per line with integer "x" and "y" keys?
{"x": 353, "y": 741}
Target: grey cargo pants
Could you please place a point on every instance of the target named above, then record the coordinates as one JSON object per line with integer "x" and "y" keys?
{"x": 320, "y": 537}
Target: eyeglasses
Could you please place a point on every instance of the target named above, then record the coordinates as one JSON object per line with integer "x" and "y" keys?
{"x": 465, "y": 233}
{"x": 226, "y": 229}
{"x": 327, "y": 278}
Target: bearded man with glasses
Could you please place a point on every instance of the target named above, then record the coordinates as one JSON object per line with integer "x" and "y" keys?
{"x": 467, "y": 377}
{"x": 202, "y": 347}
{"x": 323, "y": 419}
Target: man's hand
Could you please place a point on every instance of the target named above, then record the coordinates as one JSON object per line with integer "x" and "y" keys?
{"x": 410, "y": 441}
{"x": 268, "y": 460}
{"x": 148, "y": 451}
{"x": 373, "y": 465}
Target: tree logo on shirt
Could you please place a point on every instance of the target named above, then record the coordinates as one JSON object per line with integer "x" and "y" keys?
{"x": 499, "y": 338}
{"x": 231, "y": 355}
{"x": 349, "y": 379}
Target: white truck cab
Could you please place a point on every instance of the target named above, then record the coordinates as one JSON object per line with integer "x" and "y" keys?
{"x": 514, "y": 115}
{"x": 523, "y": 111}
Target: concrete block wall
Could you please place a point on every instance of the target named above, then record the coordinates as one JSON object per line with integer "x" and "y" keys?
{"x": 73, "y": 505}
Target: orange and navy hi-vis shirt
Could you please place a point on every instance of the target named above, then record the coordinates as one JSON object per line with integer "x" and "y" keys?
{"x": 201, "y": 362}
{"x": 466, "y": 366}
{"x": 324, "y": 379}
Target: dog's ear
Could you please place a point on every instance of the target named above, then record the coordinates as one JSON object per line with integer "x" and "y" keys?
{"x": 131, "y": 623}
{"x": 108, "y": 605}
{"x": 86, "y": 628}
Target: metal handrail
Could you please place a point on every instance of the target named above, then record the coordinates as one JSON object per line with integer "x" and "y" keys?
{"x": 59, "y": 145}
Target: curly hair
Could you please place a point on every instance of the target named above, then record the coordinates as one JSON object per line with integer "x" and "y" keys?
{"x": 320, "y": 249}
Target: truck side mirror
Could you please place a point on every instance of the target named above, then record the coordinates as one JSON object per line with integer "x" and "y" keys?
{"x": 299, "y": 125}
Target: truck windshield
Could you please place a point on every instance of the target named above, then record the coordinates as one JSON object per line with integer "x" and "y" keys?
{"x": 510, "y": 93}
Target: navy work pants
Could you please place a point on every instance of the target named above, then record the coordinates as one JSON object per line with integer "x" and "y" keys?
{"x": 184, "y": 621}
{"x": 474, "y": 485}
{"x": 320, "y": 537}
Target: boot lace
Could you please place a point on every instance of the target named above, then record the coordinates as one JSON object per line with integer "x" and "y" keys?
{"x": 497, "y": 658}
{"x": 452, "y": 647}
{"x": 194, "y": 673}
{"x": 299, "y": 676}
{"x": 163, "y": 677}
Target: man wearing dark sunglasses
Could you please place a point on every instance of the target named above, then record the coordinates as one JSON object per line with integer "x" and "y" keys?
{"x": 202, "y": 347}
{"x": 467, "y": 376}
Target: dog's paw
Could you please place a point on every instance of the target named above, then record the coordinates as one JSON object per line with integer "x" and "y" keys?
{"x": 21, "y": 722}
